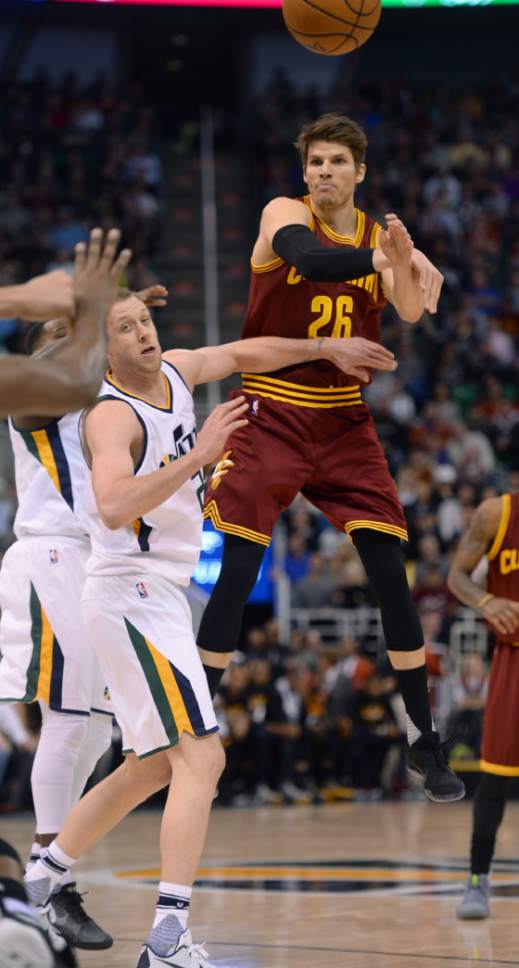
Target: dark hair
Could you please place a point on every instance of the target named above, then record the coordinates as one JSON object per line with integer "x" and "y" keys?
{"x": 333, "y": 127}
{"x": 33, "y": 337}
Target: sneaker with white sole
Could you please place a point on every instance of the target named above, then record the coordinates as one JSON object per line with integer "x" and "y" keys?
{"x": 475, "y": 905}
{"x": 68, "y": 917}
{"x": 184, "y": 955}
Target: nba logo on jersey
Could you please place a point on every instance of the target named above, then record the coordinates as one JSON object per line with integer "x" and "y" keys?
{"x": 53, "y": 556}
{"x": 255, "y": 407}
{"x": 142, "y": 590}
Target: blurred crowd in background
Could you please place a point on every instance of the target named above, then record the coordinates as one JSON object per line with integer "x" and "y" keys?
{"x": 315, "y": 717}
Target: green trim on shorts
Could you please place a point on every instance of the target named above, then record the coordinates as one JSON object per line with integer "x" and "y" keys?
{"x": 33, "y": 669}
{"x": 155, "y": 685}
{"x": 168, "y": 746}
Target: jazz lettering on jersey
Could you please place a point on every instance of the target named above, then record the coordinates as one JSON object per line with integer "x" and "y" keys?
{"x": 183, "y": 443}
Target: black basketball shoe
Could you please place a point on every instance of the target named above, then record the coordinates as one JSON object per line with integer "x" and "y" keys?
{"x": 429, "y": 759}
{"x": 68, "y": 918}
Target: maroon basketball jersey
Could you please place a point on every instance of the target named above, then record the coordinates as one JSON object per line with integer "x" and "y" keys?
{"x": 283, "y": 303}
{"x": 503, "y": 557}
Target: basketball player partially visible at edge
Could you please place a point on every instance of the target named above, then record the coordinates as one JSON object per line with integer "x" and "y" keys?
{"x": 309, "y": 430}
{"x": 494, "y": 534}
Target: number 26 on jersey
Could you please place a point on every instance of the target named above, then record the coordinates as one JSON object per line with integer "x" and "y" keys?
{"x": 338, "y": 309}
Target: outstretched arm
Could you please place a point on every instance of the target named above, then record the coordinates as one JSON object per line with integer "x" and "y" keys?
{"x": 500, "y": 612}
{"x": 39, "y": 299}
{"x": 266, "y": 353}
{"x": 67, "y": 377}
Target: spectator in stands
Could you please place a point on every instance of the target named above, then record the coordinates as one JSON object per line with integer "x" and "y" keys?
{"x": 470, "y": 693}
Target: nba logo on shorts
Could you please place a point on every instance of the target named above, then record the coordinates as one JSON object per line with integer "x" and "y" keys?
{"x": 142, "y": 590}
{"x": 53, "y": 556}
{"x": 255, "y": 407}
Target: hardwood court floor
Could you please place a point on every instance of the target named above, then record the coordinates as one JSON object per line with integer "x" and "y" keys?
{"x": 353, "y": 886}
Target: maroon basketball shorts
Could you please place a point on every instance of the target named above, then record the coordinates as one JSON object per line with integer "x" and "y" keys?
{"x": 334, "y": 458}
{"x": 500, "y": 748}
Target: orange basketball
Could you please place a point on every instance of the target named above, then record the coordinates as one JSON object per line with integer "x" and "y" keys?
{"x": 331, "y": 27}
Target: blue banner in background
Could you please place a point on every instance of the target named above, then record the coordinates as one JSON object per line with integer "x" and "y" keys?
{"x": 210, "y": 563}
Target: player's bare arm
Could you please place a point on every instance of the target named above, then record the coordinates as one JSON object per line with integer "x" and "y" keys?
{"x": 401, "y": 283}
{"x": 40, "y": 298}
{"x": 115, "y": 442}
{"x": 266, "y": 353}
{"x": 475, "y": 544}
{"x": 68, "y": 375}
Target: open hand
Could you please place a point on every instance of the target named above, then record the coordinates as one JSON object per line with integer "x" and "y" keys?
{"x": 354, "y": 356}
{"x": 98, "y": 270}
{"x": 220, "y": 424}
{"x": 395, "y": 242}
{"x": 431, "y": 279}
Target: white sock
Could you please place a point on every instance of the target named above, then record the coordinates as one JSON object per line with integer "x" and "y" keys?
{"x": 413, "y": 733}
{"x": 47, "y": 873}
{"x": 171, "y": 916}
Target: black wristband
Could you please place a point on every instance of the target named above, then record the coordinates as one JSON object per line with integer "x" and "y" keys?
{"x": 298, "y": 246}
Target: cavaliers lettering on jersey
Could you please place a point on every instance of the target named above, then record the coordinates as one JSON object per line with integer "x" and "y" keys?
{"x": 503, "y": 557}
{"x": 167, "y": 541}
{"x": 49, "y": 472}
{"x": 283, "y": 303}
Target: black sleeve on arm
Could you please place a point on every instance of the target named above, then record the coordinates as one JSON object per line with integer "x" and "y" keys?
{"x": 298, "y": 246}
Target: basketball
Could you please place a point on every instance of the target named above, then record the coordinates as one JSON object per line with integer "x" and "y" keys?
{"x": 331, "y": 27}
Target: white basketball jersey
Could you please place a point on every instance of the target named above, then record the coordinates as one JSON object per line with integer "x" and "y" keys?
{"x": 166, "y": 541}
{"x": 50, "y": 479}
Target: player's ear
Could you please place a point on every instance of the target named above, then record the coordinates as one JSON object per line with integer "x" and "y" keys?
{"x": 305, "y": 179}
{"x": 360, "y": 173}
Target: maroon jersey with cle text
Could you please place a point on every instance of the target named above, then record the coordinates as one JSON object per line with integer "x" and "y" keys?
{"x": 283, "y": 303}
{"x": 500, "y": 747}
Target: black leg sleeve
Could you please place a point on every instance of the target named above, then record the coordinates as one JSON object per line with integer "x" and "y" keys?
{"x": 221, "y": 621}
{"x": 383, "y": 560}
{"x": 489, "y": 808}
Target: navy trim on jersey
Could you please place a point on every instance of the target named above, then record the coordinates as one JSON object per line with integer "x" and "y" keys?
{"x": 110, "y": 396}
{"x": 179, "y": 375}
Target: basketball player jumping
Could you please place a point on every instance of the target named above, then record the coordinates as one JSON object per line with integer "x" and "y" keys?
{"x": 145, "y": 511}
{"x": 308, "y": 428}
{"x": 494, "y": 533}
{"x": 66, "y": 379}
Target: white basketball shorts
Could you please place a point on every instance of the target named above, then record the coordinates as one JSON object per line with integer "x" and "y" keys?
{"x": 46, "y": 653}
{"x": 142, "y": 631}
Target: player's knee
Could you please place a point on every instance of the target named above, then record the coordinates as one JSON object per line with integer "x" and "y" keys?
{"x": 149, "y": 775}
{"x": 64, "y": 735}
{"x": 241, "y": 562}
{"x": 204, "y": 759}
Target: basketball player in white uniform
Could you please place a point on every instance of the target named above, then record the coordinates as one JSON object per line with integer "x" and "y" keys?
{"x": 64, "y": 379}
{"x": 46, "y": 653}
{"x": 146, "y": 527}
